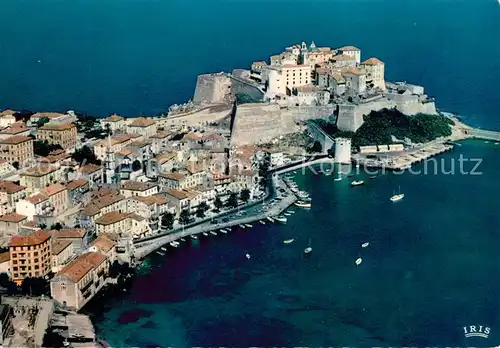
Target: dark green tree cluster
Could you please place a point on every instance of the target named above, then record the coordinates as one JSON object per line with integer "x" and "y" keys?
{"x": 202, "y": 208}
{"x": 184, "y": 217}
{"x": 232, "y": 201}
{"x": 379, "y": 126}
{"x": 85, "y": 155}
{"x": 35, "y": 286}
{"x": 245, "y": 195}
{"x": 167, "y": 221}
{"x": 44, "y": 148}
{"x": 218, "y": 204}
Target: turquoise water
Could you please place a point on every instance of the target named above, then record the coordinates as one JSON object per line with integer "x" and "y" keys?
{"x": 430, "y": 269}
{"x": 137, "y": 57}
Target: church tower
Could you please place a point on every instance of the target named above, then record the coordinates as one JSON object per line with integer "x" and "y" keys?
{"x": 109, "y": 165}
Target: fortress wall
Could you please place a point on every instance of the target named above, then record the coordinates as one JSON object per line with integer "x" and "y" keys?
{"x": 206, "y": 115}
{"x": 212, "y": 89}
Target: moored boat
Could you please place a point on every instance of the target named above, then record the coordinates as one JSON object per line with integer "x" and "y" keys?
{"x": 270, "y": 219}
{"x": 163, "y": 249}
{"x": 364, "y": 245}
{"x": 205, "y": 233}
{"x": 223, "y": 231}
{"x": 288, "y": 241}
{"x": 174, "y": 244}
{"x": 262, "y": 222}
{"x": 358, "y": 261}
{"x": 194, "y": 237}
{"x": 242, "y": 226}
{"x": 303, "y": 204}
{"x": 248, "y": 225}
{"x": 281, "y": 219}
{"x": 213, "y": 233}
{"x": 357, "y": 183}
{"x": 309, "y": 249}
{"x": 397, "y": 197}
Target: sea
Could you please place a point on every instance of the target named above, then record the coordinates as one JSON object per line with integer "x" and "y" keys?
{"x": 432, "y": 265}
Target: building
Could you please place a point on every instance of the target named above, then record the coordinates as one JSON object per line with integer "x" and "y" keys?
{"x": 342, "y": 61}
{"x": 63, "y": 134}
{"x": 17, "y": 149}
{"x": 343, "y": 150}
{"x": 11, "y": 223}
{"x": 351, "y": 51}
{"x": 92, "y": 173}
{"x": 10, "y": 194}
{"x": 163, "y": 163}
{"x": 142, "y": 126}
{"x": 62, "y": 252}
{"x": 132, "y": 188}
{"x": 296, "y": 75}
{"x": 101, "y": 205}
{"x": 78, "y": 282}
{"x": 30, "y": 256}
{"x": 7, "y": 118}
{"x": 374, "y": 70}
{"x": 160, "y": 141}
{"x": 114, "y": 123}
{"x": 78, "y": 237}
{"x": 49, "y": 202}
{"x": 104, "y": 244}
{"x": 113, "y": 144}
{"x": 122, "y": 224}
{"x": 151, "y": 208}
{"x": 39, "y": 177}
{"x": 355, "y": 80}
{"x": 5, "y": 263}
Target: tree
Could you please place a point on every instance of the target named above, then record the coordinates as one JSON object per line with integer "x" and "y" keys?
{"x": 136, "y": 165}
{"x": 44, "y": 148}
{"x": 184, "y": 217}
{"x": 167, "y": 221}
{"x": 245, "y": 195}
{"x": 15, "y": 164}
{"x": 202, "y": 208}
{"x": 42, "y": 121}
{"x": 6, "y": 283}
{"x": 232, "y": 201}
{"x": 218, "y": 203}
{"x": 34, "y": 286}
{"x": 85, "y": 155}
{"x": 57, "y": 226}
{"x": 316, "y": 147}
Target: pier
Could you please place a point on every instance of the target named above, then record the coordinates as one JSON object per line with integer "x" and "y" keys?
{"x": 484, "y": 134}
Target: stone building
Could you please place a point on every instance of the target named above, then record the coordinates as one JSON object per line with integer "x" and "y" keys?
{"x": 63, "y": 134}
{"x": 374, "y": 69}
{"x": 17, "y": 149}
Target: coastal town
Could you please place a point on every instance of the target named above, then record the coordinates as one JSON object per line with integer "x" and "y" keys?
{"x": 80, "y": 196}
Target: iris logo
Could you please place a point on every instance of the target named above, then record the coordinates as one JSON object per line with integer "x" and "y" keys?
{"x": 476, "y": 331}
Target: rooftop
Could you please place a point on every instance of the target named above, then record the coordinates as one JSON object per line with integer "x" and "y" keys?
{"x": 10, "y": 187}
{"x": 53, "y": 189}
{"x": 37, "y": 198}
{"x": 372, "y": 61}
{"x": 137, "y": 185}
{"x": 16, "y": 139}
{"x": 35, "y": 238}
{"x": 85, "y": 263}
{"x": 4, "y": 257}
{"x": 57, "y": 126}
{"x": 72, "y": 185}
{"x": 111, "y": 218}
{"x": 104, "y": 243}
{"x": 113, "y": 118}
{"x": 142, "y": 122}
{"x": 89, "y": 168}
{"x": 59, "y": 246}
{"x": 173, "y": 176}
{"x": 39, "y": 170}
{"x": 68, "y": 233}
{"x": 349, "y": 48}
{"x": 13, "y": 217}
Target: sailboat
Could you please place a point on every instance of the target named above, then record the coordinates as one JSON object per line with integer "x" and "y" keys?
{"x": 309, "y": 249}
{"x": 397, "y": 197}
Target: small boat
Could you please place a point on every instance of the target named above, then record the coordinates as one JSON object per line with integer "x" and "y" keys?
{"x": 309, "y": 249}
{"x": 262, "y": 222}
{"x": 287, "y": 214}
{"x": 357, "y": 183}
{"x": 205, "y": 233}
{"x": 174, "y": 244}
{"x": 183, "y": 240}
{"x": 248, "y": 225}
{"x": 163, "y": 249}
{"x": 223, "y": 231}
{"x": 288, "y": 241}
{"x": 338, "y": 178}
{"x": 247, "y": 256}
{"x": 160, "y": 253}
{"x": 242, "y": 226}
{"x": 303, "y": 204}
{"x": 194, "y": 237}
{"x": 328, "y": 174}
{"x": 364, "y": 245}
{"x": 280, "y": 219}
{"x": 358, "y": 261}
{"x": 397, "y": 197}
{"x": 373, "y": 177}
{"x": 357, "y": 165}
{"x": 213, "y": 233}
{"x": 270, "y": 219}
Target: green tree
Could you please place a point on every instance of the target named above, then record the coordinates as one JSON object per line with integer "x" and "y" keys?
{"x": 42, "y": 121}
{"x": 167, "y": 221}
{"x": 136, "y": 165}
{"x": 184, "y": 217}
{"x": 43, "y": 148}
{"x": 316, "y": 147}
{"x": 245, "y": 195}
{"x": 218, "y": 203}
{"x": 85, "y": 155}
{"x": 15, "y": 164}
{"x": 232, "y": 201}
{"x": 202, "y": 208}
{"x": 35, "y": 286}
{"x": 57, "y": 226}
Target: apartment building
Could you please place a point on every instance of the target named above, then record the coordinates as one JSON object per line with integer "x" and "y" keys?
{"x": 62, "y": 251}
{"x": 49, "y": 202}
{"x": 143, "y": 126}
{"x": 38, "y": 177}
{"x": 115, "y": 144}
{"x": 131, "y": 188}
{"x": 122, "y": 224}
{"x": 30, "y": 256}
{"x": 78, "y": 282}
{"x": 10, "y": 194}
{"x": 17, "y": 149}
{"x": 115, "y": 123}
{"x": 11, "y": 224}
{"x": 351, "y": 51}
{"x": 63, "y": 134}
{"x": 160, "y": 141}
{"x": 104, "y": 244}
{"x": 91, "y": 172}
{"x": 374, "y": 69}
{"x": 151, "y": 208}
{"x": 99, "y": 206}
{"x": 355, "y": 80}
{"x": 79, "y": 237}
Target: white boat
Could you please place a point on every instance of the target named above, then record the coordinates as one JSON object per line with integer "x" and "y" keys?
{"x": 213, "y": 233}
{"x": 302, "y": 194}
{"x": 357, "y": 183}
{"x": 288, "y": 241}
{"x": 338, "y": 178}
{"x": 397, "y": 197}
{"x": 270, "y": 219}
{"x": 364, "y": 245}
{"x": 357, "y": 165}
{"x": 205, "y": 233}
{"x": 174, "y": 244}
{"x": 247, "y": 256}
{"x": 287, "y": 214}
{"x": 280, "y": 219}
{"x": 309, "y": 249}
{"x": 303, "y": 204}
{"x": 194, "y": 237}
{"x": 248, "y": 225}
{"x": 224, "y": 231}
{"x": 163, "y": 249}
{"x": 290, "y": 212}
{"x": 242, "y": 226}
{"x": 183, "y": 240}
{"x": 358, "y": 261}
{"x": 160, "y": 253}
{"x": 262, "y": 222}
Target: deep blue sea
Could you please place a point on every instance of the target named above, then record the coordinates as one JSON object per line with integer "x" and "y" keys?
{"x": 432, "y": 266}
{"x": 137, "y": 57}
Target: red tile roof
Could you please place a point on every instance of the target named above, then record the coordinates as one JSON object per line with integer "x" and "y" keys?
{"x": 35, "y": 238}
